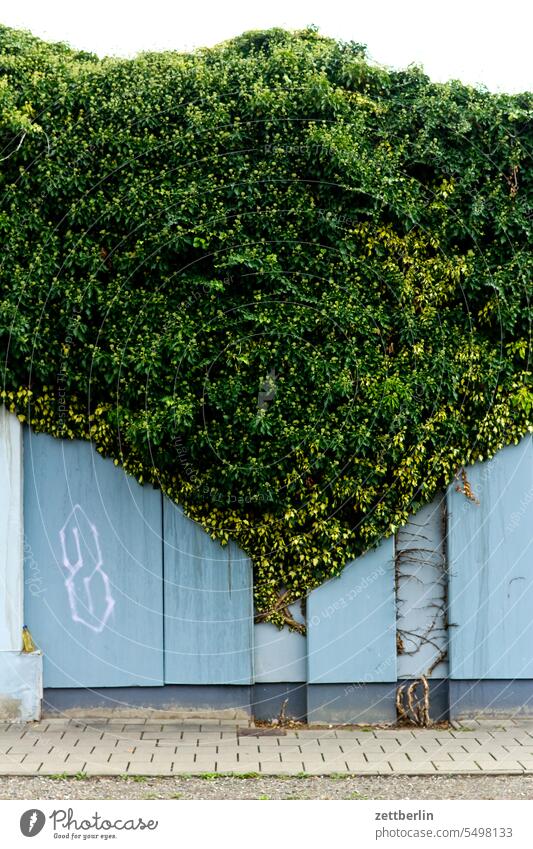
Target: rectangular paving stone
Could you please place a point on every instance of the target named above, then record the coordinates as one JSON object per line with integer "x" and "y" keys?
{"x": 87, "y": 733}
{"x": 238, "y": 768}
{"x": 277, "y": 768}
{"x": 25, "y": 759}
{"x": 283, "y": 771}
{"x": 470, "y": 766}
{"x": 448, "y": 763}
{"x": 68, "y": 768}
{"x": 207, "y": 736}
{"x": 19, "y": 769}
{"x": 102, "y": 769}
{"x": 80, "y": 747}
{"x": 231, "y": 766}
{"x": 289, "y": 762}
{"x": 492, "y": 747}
{"x": 499, "y": 769}
{"x": 134, "y": 739}
{"x": 328, "y": 750}
{"x": 523, "y": 750}
{"x": 268, "y": 758}
{"x": 229, "y": 757}
{"x": 483, "y": 760}
{"x": 322, "y": 770}
{"x": 249, "y": 765}
{"x": 18, "y": 749}
{"x": 354, "y": 756}
{"x": 388, "y": 733}
{"x": 341, "y": 734}
{"x": 186, "y": 764}
{"x": 369, "y": 769}
{"x": 414, "y": 769}
{"x": 116, "y": 762}
{"x": 209, "y": 766}
{"x": 89, "y": 740}
{"x": 373, "y": 757}
{"x": 60, "y": 764}
{"x": 150, "y": 769}
{"x": 416, "y": 753}
{"x": 470, "y": 736}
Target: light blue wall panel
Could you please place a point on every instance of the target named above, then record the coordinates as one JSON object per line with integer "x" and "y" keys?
{"x": 421, "y": 593}
{"x": 93, "y": 567}
{"x": 280, "y": 655}
{"x": 490, "y": 550}
{"x": 352, "y": 622}
{"x": 208, "y": 606}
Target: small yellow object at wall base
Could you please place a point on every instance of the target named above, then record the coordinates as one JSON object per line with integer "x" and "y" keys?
{"x": 27, "y": 641}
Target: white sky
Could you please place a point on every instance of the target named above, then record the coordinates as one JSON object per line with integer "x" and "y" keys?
{"x": 477, "y": 41}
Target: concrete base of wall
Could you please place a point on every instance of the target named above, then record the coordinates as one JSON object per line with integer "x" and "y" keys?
{"x": 371, "y": 703}
{"x": 268, "y": 701}
{"x": 263, "y": 701}
{"x": 498, "y": 698}
{"x": 173, "y": 699}
{"x": 21, "y": 686}
{"x": 318, "y": 703}
{"x": 351, "y": 703}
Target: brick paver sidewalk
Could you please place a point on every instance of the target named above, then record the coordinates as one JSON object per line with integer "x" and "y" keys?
{"x": 172, "y": 747}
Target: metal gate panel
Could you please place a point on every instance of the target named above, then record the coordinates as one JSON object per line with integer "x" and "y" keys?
{"x": 351, "y": 622}
{"x": 280, "y": 655}
{"x": 421, "y": 593}
{"x": 93, "y": 567}
{"x": 490, "y": 551}
{"x": 208, "y": 606}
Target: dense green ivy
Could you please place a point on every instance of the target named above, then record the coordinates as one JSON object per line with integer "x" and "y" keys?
{"x": 290, "y": 288}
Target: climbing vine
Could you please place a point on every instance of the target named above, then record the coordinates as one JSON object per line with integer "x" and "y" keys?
{"x": 290, "y": 288}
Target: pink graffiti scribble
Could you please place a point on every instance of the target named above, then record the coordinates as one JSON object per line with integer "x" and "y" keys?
{"x": 83, "y": 609}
